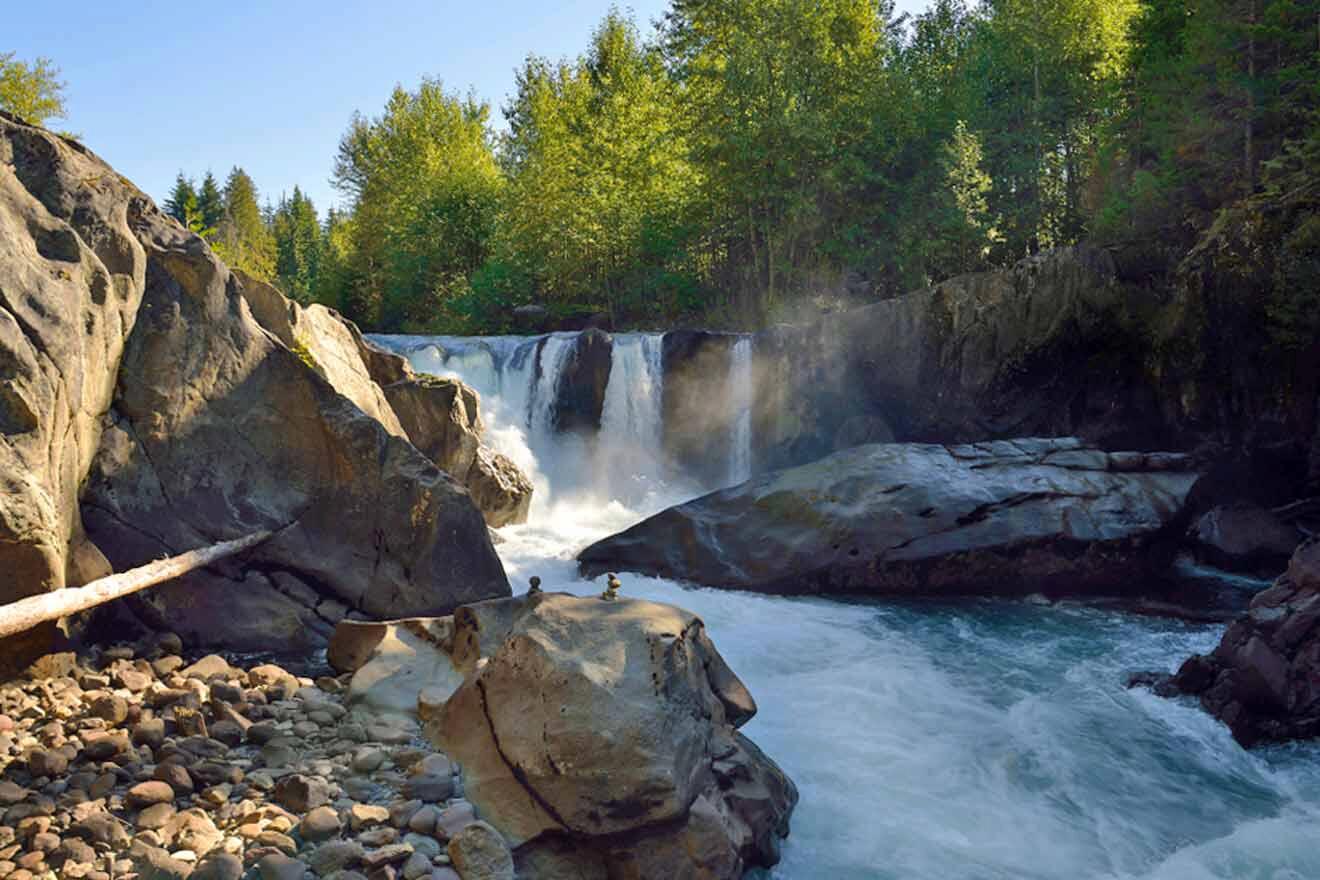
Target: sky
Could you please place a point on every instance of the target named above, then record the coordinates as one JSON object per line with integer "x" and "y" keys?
{"x": 160, "y": 87}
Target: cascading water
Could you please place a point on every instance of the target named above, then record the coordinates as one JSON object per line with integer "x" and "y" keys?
{"x": 988, "y": 740}
{"x": 740, "y": 397}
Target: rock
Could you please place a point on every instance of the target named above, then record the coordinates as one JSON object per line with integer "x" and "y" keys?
{"x": 1016, "y": 517}
{"x": 219, "y": 866}
{"x": 41, "y": 762}
{"x": 416, "y": 867}
{"x": 1263, "y": 680}
{"x": 155, "y": 817}
{"x": 153, "y": 863}
{"x": 11, "y": 793}
{"x": 299, "y": 793}
{"x": 423, "y": 821}
{"x": 100, "y": 828}
{"x": 104, "y": 746}
{"x": 149, "y": 732}
{"x": 145, "y": 794}
{"x": 499, "y": 488}
{"x": 620, "y": 719}
{"x": 394, "y": 662}
{"x": 453, "y": 819}
{"x": 442, "y": 418}
{"x": 210, "y": 666}
{"x": 320, "y": 824}
{"x": 280, "y": 867}
{"x": 480, "y": 853}
{"x": 271, "y": 676}
{"x": 429, "y": 788}
{"x": 334, "y": 344}
{"x": 193, "y": 830}
{"x": 367, "y": 815}
{"x": 580, "y": 397}
{"x": 335, "y": 856}
{"x": 113, "y": 709}
{"x": 1244, "y": 538}
{"x": 182, "y": 420}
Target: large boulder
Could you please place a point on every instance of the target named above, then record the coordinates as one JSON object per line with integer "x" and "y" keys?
{"x": 142, "y": 377}
{"x": 1244, "y": 537}
{"x": 1263, "y": 680}
{"x": 71, "y": 278}
{"x": 442, "y": 417}
{"x": 600, "y": 737}
{"x": 326, "y": 342}
{"x": 1005, "y": 517}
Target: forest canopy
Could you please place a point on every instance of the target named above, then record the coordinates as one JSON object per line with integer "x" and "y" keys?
{"x": 740, "y": 158}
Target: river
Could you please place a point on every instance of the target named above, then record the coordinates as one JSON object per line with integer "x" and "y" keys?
{"x": 982, "y": 740}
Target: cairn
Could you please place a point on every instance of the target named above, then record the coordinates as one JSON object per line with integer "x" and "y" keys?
{"x": 611, "y": 588}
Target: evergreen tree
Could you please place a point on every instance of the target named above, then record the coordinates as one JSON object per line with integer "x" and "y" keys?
{"x": 298, "y": 247}
{"x": 181, "y": 203}
{"x": 243, "y": 239}
{"x": 210, "y": 205}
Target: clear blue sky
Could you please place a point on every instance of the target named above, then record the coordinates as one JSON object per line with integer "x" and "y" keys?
{"x": 157, "y": 87}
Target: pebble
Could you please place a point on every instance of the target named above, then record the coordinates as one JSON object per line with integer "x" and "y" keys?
{"x": 144, "y": 794}
{"x": 219, "y": 866}
{"x": 367, "y": 815}
{"x": 280, "y": 867}
{"x": 480, "y": 853}
{"x": 320, "y": 824}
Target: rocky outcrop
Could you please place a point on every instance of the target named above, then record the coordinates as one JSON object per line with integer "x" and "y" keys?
{"x": 600, "y": 738}
{"x": 1263, "y": 680}
{"x": 442, "y": 418}
{"x": 1244, "y": 538}
{"x": 580, "y": 397}
{"x": 71, "y": 277}
{"x": 327, "y": 343}
{"x": 697, "y": 406}
{"x": 1060, "y": 344}
{"x": 142, "y": 377}
{"x": 1004, "y": 517}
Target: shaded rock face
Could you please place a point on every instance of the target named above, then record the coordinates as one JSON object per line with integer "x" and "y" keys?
{"x": 443, "y": 419}
{"x": 71, "y": 278}
{"x": 580, "y": 400}
{"x": 220, "y": 430}
{"x": 142, "y": 377}
{"x": 600, "y": 738}
{"x": 1244, "y": 538}
{"x": 1263, "y": 680}
{"x": 907, "y": 519}
{"x": 697, "y": 405}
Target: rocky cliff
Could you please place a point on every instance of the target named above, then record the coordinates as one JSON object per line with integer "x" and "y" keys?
{"x": 154, "y": 402}
{"x": 1061, "y": 344}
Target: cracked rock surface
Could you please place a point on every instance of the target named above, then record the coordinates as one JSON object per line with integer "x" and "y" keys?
{"x": 600, "y": 738}
{"x": 1032, "y": 515}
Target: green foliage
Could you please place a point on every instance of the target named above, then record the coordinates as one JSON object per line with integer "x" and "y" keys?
{"x": 242, "y": 238}
{"x": 298, "y": 247}
{"x": 32, "y": 92}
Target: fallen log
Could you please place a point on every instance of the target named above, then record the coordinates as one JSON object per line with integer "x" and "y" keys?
{"x": 17, "y": 617}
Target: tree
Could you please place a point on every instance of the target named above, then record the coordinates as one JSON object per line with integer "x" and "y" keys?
{"x": 181, "y": 203}
{"x": 242, "y": 237}
{"x": 425, "y": 188}
{"x": 210, "y": 205}
{"x": 298, "y": 247}
{"x": 32, "y": 92}
{"x": 600, "y": 180}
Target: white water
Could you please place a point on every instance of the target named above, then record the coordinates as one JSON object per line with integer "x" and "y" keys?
{"x": 740, "y": 394}
{"x": 977, "y": 741}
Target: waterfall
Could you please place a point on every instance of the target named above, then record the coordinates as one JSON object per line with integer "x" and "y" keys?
{"x": 740, "y": 401}
{"x": 629, "y": 449}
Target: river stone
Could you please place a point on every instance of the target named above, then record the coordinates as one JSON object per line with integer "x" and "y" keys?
{"x": 153, "y": 863}
{"x": 394, "y": 662}
{"x": 618, "y": 717}
{"x": 1008, "y": 517}
{"x": 300, "y": 793}
{"x": 480, "y": 853}
{"x": 277, "y": 866}
{"x": 155, "y": 817}
{"x": 41, "y": 762}
{"x": 320, "y": 824}
{"x": 335, "y": 855}
{"x": 146, "y": 794}
{"x": 219, "y": 866}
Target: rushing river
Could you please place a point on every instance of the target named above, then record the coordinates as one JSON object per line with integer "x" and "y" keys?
{"x": 969, "y": 741}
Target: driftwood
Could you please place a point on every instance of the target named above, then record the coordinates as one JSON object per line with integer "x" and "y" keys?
{"x": 24, "y": 614}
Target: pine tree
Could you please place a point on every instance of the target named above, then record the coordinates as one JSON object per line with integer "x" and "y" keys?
{"x": 298, "y": 247}
{"x": 242, "y": 238}
{"x": 210, "y": 205}
{"x": 181, "y": 203}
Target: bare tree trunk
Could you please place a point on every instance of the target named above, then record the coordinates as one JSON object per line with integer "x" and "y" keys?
{"x": 24, "y": 614}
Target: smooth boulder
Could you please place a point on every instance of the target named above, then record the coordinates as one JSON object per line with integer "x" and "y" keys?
{"x": 1008, "y": 517}
{"x": 609, "y": 728}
